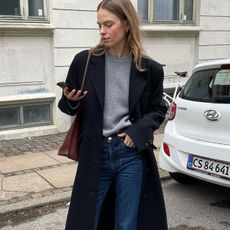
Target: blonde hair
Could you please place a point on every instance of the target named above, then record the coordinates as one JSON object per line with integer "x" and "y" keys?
{"x": 124, "y": 10}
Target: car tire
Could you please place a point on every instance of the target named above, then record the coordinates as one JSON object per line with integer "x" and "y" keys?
{"x": 182, "y": 178}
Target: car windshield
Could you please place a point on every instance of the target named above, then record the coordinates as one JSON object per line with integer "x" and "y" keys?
{"x": 211, "y": 85}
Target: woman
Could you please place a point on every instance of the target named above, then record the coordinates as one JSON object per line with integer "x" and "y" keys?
{"x": 117, "y": 185}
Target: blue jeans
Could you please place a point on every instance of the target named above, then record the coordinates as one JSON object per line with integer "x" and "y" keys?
{"x": 124, "y": 165}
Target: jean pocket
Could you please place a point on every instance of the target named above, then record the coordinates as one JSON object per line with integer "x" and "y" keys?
{"x": 126, "y": 146}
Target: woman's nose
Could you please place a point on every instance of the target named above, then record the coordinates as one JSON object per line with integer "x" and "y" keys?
{"x": 102, "y": 30}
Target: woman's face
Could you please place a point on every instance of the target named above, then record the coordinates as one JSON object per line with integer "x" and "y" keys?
{"x": 112, "y": 29}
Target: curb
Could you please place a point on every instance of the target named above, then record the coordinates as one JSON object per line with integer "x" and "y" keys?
{"x": 35, "y": 203}
{"x": 164, "y": 175}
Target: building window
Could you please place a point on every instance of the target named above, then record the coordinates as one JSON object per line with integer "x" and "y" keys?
{"x": 23, "y": 10}
{"x": 10, "y": 7}
{"x": 167, "y": 11}
{"x": 26, "y": 115}
{"x": 36, "y": 8}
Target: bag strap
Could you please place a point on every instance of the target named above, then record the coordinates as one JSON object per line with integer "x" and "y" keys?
{"x": 85, "y": 70}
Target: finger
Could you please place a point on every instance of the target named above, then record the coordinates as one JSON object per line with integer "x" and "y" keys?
{"x": 129, "y": 145}
{"x": 128, "y": 141}
{"x": 66, "y": 91}
{"x": 121, "y": 134}
{"x": 71, "y": 95}
{"x": 80, "y": 95}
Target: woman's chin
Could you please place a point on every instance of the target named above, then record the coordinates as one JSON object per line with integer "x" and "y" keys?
{"x": 107, "y": 45}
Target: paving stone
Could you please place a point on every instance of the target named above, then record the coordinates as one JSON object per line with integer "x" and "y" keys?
{"x": 1, "y": 180}
{"x": 164, "y": 174}
{"x": 4, "y": 202}
{"x": 19, "y": 146}
{"x": 158, "y": 140}
{"x": 36, "y": 195}
{"x": 57, "y": 190}
{"x": 60, "y": 159}
{"x": 67, "y": 188}
{"x": 60, "y": 177}
{"x": 4, "y": 195}
{"x": 47, "y": 192}
{"x": 24, "y": 162}
{"x": 30, "y": 182}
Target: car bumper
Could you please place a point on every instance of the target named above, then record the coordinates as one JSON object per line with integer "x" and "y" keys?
{"x": 180, "y": 148}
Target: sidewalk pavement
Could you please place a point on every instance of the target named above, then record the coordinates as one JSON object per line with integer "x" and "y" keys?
{"x": 33, "y": 175}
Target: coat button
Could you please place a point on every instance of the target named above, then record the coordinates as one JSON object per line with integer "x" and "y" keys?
{"x": 146, "y": 144}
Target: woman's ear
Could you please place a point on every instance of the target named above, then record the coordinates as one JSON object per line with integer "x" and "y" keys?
{"x": 126, "y": 26}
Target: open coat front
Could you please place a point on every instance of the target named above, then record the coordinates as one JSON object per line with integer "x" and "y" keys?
{"x": 145, "y": 113}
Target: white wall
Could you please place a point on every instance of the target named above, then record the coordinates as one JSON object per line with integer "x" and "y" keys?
{"x": 176, "y": 51}
{"x": 214, "y": 39}
{"x": 26, "y": 65}
{"x": 76, "y": 29}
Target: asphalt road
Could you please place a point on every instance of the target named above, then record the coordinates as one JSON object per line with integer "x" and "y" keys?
{"x": 192, "y": 207}
{"x": 201, "y": 206}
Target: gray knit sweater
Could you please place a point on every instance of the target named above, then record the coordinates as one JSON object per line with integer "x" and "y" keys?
{"x": 116, "y": 104}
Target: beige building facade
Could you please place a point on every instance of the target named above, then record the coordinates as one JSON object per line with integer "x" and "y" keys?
{"x": 39, "y": 38}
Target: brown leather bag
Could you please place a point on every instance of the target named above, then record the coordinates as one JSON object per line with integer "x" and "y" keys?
{"x": 70, "y": 146}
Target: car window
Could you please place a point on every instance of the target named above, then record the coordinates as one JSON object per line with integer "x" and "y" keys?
{"x": 221, "y": 85}
{"x": 208, "y": 86}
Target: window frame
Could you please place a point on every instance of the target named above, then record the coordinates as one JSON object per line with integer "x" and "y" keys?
{"x": 24, "y": 10}
{"x": 21, "y": 115}
{"x": 151, "y": 20}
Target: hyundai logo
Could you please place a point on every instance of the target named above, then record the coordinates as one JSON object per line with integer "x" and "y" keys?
{"x": 212, "y": 115}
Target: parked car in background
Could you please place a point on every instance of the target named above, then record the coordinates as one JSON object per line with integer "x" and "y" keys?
{"x": 196, "y": 142}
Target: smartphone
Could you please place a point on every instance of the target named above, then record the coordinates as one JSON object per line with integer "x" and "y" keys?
{"x": 62, "y": 84}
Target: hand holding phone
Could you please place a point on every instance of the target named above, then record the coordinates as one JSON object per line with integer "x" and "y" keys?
{"x": 70, "y": 94}
{"x": 62, "y": 84}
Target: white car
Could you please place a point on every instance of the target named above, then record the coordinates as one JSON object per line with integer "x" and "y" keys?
{"x": 196, "y": 142}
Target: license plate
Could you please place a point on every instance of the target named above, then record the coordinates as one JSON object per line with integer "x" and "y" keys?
{"x": 209, "y": 166}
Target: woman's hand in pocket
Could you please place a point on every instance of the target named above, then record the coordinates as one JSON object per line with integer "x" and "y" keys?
{"x": 127, "y": 139}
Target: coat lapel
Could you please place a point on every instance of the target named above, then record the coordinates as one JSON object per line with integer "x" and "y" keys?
{"x": 96, "y": 75}
{"x": 136, "y": 86}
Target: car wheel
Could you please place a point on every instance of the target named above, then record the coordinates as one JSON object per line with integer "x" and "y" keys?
{"x": 182, "y": 178}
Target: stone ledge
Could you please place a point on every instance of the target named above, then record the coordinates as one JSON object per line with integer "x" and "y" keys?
{"x": 30, "y": 28}
{"x": 175, "y": 29}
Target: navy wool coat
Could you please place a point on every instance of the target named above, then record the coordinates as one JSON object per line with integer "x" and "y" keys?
{"x": 146, "y": 113}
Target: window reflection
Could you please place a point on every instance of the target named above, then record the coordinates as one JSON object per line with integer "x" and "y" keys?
{"x": 10, "y": 7}
{"x": 36, "y": 8}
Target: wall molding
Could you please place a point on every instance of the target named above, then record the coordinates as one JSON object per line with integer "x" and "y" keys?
{"x": 170, "y": 29}
{"x": 26, "y": 29}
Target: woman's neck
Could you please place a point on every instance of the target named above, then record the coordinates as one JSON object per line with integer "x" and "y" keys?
{"x": 119, "y": 51}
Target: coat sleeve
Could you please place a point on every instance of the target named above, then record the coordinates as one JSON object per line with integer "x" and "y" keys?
{"x": 67, "y": 106}
{"x": 73, "y": 80}
{"x": 142, "y": 130}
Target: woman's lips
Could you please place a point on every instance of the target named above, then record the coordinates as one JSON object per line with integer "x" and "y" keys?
{"x": 106, "y": 39}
